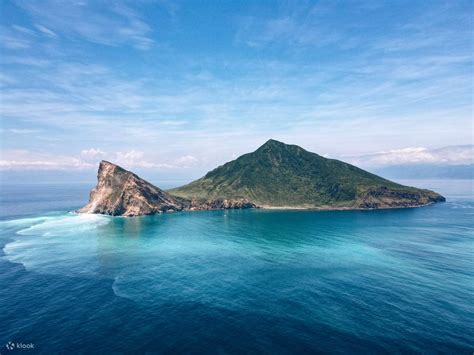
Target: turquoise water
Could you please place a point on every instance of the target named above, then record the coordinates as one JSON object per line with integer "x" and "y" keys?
{"x": 236, "y": 281}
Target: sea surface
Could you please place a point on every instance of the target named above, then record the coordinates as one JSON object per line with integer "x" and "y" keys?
{"x": 243, "y": 281}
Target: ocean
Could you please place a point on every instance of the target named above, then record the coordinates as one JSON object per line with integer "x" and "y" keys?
{"x": 235, "y": 281}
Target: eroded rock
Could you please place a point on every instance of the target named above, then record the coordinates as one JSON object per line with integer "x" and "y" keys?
{"x": 122, "y": 193}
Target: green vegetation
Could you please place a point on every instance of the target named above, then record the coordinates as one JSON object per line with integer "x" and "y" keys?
{"x": 279, "y": 175}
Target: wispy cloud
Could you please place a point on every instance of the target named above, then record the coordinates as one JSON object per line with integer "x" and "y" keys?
{"x": 6, "y": 79}
{"x": 12, "y": 41}
{"x": 300, "y": 25}
{"x": 25, "y": 60}
{"x": 105, "y": 23}
{"x": 46, "y": 31}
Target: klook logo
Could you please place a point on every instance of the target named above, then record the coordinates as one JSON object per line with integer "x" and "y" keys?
{"x": 22, "y": 346}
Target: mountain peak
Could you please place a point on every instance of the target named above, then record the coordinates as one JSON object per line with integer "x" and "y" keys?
{"x": 105, "y": 163}
{"x": 273, "y": 146}
{"x": 273, "y": 149}
{"x": 273, "y": 143}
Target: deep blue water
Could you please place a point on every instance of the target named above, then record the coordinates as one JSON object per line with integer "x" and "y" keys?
{"x": 251, "y": 281}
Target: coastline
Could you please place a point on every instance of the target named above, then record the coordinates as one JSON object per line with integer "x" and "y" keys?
{"x": 271, "y": 208}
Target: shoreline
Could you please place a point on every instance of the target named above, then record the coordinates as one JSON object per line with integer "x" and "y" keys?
{"x": 269, "y": 208}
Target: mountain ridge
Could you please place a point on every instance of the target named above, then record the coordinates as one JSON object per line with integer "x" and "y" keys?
{"x": 278, "y": 174}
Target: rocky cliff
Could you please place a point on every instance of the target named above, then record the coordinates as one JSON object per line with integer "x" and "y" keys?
{"x": 121, "y": 193}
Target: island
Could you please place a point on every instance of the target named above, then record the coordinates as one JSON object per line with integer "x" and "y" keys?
{"x": 276, "y": 175}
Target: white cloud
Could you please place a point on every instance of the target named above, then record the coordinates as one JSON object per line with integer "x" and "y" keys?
{"x": 132, "y": 158}
{"x": 186, "y": 161}
{"x": 26, "y": 160}
{"x": 453, "y": 155}
{"x": 90, "y": 154}
{"x": 86, "y": 159}
{"x": 136, "y": 159}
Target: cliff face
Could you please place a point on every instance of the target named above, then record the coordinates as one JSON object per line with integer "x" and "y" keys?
{"x": 121, "y": 193}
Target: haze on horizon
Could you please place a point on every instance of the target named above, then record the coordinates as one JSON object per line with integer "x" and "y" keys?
{"x": 178, "y": 88}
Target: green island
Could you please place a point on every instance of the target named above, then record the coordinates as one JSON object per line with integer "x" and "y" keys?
{"x": 276, "y": 175}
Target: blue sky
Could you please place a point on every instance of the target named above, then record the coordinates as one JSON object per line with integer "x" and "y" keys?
{"x": 180, "y": 87}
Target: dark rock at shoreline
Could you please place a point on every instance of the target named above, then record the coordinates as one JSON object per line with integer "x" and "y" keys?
{"x": 383, "y": 197}
{"x": 221, "y": 204}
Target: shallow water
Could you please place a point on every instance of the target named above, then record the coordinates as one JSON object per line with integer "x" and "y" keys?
{"x": 236, "y": 281}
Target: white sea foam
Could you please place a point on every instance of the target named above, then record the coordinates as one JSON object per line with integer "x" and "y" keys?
{"x": 26, "y": 221}
{"x": 64, "y": 225}
{"x": 65, "y": 244}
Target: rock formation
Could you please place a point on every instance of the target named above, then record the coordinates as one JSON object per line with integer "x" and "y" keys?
{"x": 122, "y": 193}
